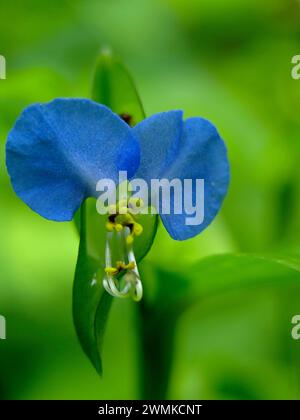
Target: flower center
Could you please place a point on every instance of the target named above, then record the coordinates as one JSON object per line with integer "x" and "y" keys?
{"x": 122, "y": 216}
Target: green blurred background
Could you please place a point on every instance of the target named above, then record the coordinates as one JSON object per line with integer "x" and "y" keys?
{"x": 226, "y": 60}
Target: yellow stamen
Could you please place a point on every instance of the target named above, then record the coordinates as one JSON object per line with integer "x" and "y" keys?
{"x": 124, "y": 217}
{"x": 110, "y": 226}
{"x": 129, "y": 239}
{"x": 130, "y": 266}
{"x": 137, "y": 229}
{"x": 118, "y": 227}
{"x": 120, "y": 266}
{"x": 111, "y": 271}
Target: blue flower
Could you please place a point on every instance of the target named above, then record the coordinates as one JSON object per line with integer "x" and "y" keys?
{"x": 57, "y": 152}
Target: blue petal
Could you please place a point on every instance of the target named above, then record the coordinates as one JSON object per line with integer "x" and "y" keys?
{"x": 56, "y": 153}
{"x": 159, "y": 137}
{"x": 199, "y": 153}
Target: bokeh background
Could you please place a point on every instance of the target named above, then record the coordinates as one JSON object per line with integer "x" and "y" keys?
{"x": 226, "y": 60}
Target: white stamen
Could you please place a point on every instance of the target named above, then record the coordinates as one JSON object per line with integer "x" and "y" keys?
{"x": 133, "y": 285}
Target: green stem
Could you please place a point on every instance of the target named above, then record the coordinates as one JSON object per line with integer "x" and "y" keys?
{"x": 156, "y": 333}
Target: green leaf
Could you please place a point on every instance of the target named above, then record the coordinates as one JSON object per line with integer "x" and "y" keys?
{"x": 173, "y": 290}
{"x": 222, "y": 273}
{"x": 91, "y": 303}
{"x": 114, "y": 87}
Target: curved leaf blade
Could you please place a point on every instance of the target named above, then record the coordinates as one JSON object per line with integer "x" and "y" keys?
{"x": 222, "y": 273}
{"x": 114, "y": 87}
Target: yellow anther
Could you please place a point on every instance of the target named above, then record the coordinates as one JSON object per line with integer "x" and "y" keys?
{"x": 118, "y": 227}
{"x": 120, "y": 266}
{"x": 112, "y": 271}
{"x": 129, "y": 239}
{"x": 109, "y": 226}
{"x": 130, "y": 266}
{"x": 124, "y": 217}
{"x": 137, "y": 229}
